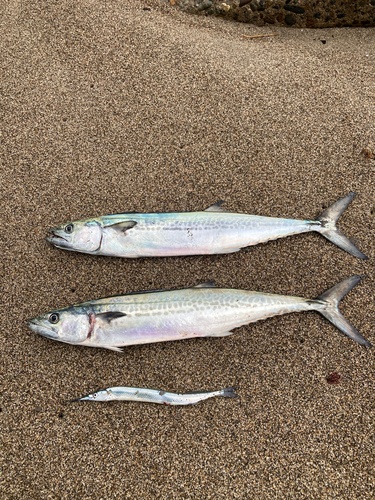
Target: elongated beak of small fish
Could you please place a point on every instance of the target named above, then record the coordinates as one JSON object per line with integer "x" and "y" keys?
{"x": 83, "y": 398}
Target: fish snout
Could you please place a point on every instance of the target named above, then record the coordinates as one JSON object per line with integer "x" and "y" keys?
{"x": 56, "y": 239}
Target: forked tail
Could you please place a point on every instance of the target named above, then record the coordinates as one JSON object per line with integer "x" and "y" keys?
{"x": 330, "y": 310}
{"x": 229, "y": 392}
{"x": 329, "y": 230}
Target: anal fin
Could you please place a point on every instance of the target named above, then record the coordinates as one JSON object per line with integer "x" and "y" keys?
{"x": 219, "y": 334}
{"x": 207, "y": 284}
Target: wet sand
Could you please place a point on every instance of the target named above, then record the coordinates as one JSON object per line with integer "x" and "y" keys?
{"x": 110, "y": 108}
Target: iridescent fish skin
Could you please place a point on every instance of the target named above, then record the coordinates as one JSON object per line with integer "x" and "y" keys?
{"x": 201, "y": 311}
{"x": 155, "y": 396}
{"x": 190, "y": 233}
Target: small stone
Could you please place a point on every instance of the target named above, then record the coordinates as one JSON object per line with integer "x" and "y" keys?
{"x": 340, "y": 16}
{"x": 172, "y": 2}
{"x": 205, "y": 5}
{"x": 334, "y": 378}
{"x": 295, "y": 9}
{"x": 225, "y": 7}
{"x": 368, "y": 154}
{"x": 290, "y": 19}
{"x": 317, "y": 15}
{"x": 372, "y": 3}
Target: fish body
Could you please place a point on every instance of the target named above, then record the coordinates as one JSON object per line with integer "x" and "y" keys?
{"x": 212, "y": 231}
{"x": 155, "y": 396}
{"x": 200, "y": 311}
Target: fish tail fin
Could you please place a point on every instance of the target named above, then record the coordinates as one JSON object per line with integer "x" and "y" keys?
{"x": 229, "y": 392}
{"x": 331, "y": 299}
{"x": 329, "y": 230}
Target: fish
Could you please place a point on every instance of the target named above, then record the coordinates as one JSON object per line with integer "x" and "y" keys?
{"x": 165, "y": 315}
{"x": 212, "y": 231}
{"x": 155, "y": 395}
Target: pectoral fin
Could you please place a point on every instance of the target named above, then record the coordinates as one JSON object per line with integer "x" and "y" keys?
{"x": 110, "y": 316}
{"x": 122, "y": 226}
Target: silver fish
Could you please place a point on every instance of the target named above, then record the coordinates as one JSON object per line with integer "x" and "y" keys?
{"x": 200, "y": 311}
{"x": 212, "y": 231}
{"x": 155, "y": 396}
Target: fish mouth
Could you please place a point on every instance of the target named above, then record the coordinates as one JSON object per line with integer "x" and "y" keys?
{"x": 56, "y": 239}
{"x": 36, "y": 327}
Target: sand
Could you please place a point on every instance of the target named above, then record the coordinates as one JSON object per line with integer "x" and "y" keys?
{"x": 107, "y": 107}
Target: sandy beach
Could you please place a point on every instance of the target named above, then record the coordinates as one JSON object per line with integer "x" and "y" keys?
{"x": 107, "y": 108}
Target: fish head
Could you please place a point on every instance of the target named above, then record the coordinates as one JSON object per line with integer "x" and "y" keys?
{"x": 80, "y": 236}
{"x": 104, "y": 395}
{"x": 70, "y": 325}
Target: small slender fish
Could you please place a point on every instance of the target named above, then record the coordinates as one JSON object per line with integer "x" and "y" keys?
{"x": 212, "y": 231}
{"x": 155, "y": 396}
{"x": 200, "y": 311}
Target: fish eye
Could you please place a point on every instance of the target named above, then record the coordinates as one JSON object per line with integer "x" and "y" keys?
{"x": 54, "y": 318}
{"x": 69, "y": 228}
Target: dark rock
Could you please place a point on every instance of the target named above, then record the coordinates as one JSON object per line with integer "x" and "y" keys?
{"x": 205, "y": 5}
{"x": 290, "y": 19}
{"x": 317, "y": 15}
{"x": 372, "y": 3}
{"x": 253, "y": 7}
{"x": 323, "y": 41}
{"x": 365, "y": 22}
{"x": 340, "y": 16}
{"x": 277, "y": 6}
{"x": 333, "y": 378}
{"x": 295, "y": 9}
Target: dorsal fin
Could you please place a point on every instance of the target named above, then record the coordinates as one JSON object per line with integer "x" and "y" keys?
{"x": 207, "y": 284}
{"x": 216, "y": 207}
{"x": 122, "y": 226}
